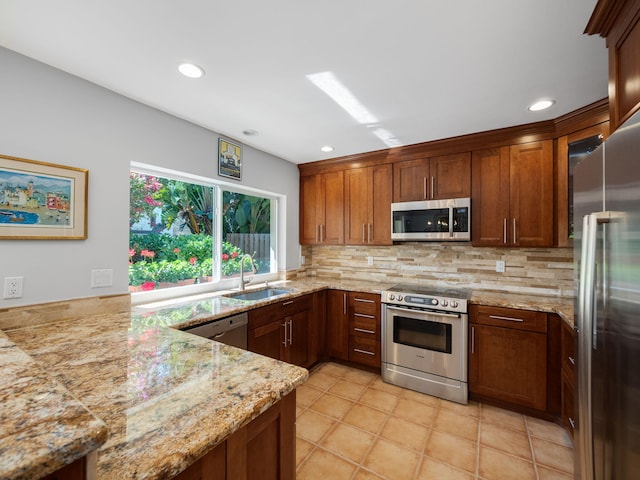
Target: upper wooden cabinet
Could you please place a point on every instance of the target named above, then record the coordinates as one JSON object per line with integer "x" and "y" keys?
{"x": 512, "y": 196}
{"x": 321, "y": 209}
{"x": 619, "y": 22}
{"x": 367, "y": 206}
{"x": 447, "y": 176}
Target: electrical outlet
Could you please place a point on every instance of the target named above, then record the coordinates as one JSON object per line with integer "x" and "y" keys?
{"x": 13, "y": 287}
{"x": 369, "y": 260}
{"x": 302, "y": 259}
{"x": 500, "y": 266}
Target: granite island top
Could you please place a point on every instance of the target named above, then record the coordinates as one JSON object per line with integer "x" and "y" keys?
{"x": 166, "y": 396}
{"x": 42, "y": 426}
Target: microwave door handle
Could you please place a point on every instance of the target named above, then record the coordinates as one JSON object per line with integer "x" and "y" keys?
{"x": 450, "y": 221}
{"x": 434, "y": 314}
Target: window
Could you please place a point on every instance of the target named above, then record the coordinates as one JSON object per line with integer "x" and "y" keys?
{"x": 174, "y": 223}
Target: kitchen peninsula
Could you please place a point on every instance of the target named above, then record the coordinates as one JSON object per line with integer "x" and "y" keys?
{"x": 167, "y": 398}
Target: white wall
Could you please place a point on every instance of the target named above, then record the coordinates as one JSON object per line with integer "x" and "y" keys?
{"x": 50, "y": 116}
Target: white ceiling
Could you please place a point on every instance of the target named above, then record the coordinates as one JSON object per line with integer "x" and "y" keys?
{"x": 425, "y": 69}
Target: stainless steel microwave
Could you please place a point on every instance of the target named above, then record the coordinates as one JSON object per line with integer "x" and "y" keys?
{"x": 436, "y": 220}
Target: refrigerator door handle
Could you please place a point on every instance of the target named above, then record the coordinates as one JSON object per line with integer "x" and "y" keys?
{"x": 587, "y": 336}
{"x": 585, "y": 319}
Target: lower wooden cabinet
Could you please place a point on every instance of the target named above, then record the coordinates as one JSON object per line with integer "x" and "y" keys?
{"x": 281, "y": 330}
{"x": 364, "y": 329}
{"x": 568, "y": 365}
{"x": 74, "y": 471}
{"x": 353, "y": 327}
{"x": 338, "y": 324}
{"x": 262, "y": 450}
{"x": 508, "y": 356}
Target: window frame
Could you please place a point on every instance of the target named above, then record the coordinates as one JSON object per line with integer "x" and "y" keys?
{"x": 218, "y": 284}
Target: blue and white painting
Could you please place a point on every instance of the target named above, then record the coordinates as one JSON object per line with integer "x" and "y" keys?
{"x": 27, "y": 199}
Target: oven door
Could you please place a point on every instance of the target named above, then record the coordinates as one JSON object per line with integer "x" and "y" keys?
{"x": 426, "y": 341}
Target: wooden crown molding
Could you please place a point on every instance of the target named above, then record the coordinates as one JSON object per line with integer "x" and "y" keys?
{"x": 604, "y": 16}
{"x": 584, "y": 117}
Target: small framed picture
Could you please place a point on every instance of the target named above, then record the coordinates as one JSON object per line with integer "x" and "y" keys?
{"x": 42, "y": 201}
{"x": 229, "y": 159}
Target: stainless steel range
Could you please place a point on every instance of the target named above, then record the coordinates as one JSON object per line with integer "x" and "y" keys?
{"x": 424, "y": 340}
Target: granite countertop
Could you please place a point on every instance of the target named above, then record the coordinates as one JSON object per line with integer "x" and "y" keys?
{"x": 42, "y": 426}
{"x": 166, "y": 396}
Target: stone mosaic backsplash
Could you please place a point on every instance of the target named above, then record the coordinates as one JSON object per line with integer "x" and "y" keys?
{"x": 539, "y": 271}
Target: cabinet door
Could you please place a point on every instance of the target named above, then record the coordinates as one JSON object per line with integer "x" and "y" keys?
{"x": 317, "y": 327}
{"x": 311, "y": 206}
{"x": 266, "y": 339}
{"x": 490, "y": 197}
{"x": 296, "y": 350}
{"x": 450, "y": 176}
{"x": 367, "y": 205}
{"x": 73, "y": 471}
{"x": 265, "y": 448}
{"x": 410, "y": 180}
{"x": 321, "y": 208}
{"x": 531, "y": 194}
{"x": 381, "y": 203}
{"x": 358, "y": 194}
{"x": 332, "y": 225}
{"x": 337, "y": 324}
{"x": 509, "y": 365}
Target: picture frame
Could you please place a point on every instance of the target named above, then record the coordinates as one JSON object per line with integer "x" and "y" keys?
{"x": 229, "y": 159}
{"x": 42, "y": 201}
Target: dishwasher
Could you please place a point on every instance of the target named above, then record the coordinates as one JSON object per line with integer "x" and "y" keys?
{"x": 230, "y": 330}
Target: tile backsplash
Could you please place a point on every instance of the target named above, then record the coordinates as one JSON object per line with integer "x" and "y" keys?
{"x": 541, "y": 271}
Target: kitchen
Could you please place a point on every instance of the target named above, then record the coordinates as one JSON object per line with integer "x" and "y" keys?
{"x": 125, "y": 131}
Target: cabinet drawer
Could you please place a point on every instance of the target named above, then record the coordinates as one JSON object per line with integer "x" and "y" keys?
{"x": 367, "y": 303}
{"x": 509, "y": 318}
{"x": 568, "y": 351}
{"x": 281, "y": 309}
{"x": 364, "y": 350}
{"x": 364, "y": 325}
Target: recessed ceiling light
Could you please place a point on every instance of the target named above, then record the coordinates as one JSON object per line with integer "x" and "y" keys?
{"x": 541, "y": 105}
{"x": 249, "y": 132}
{"x": 191, "y": 70}
{"x": 327, "y": 148}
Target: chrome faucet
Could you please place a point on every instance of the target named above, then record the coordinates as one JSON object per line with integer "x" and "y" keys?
{"x": 254, "y": 270}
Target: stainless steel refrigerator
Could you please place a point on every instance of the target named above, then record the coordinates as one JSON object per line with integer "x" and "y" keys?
{"x": 606, "y": 186}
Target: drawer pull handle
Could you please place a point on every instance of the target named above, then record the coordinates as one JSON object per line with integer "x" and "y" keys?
{"x": 364, "y": 300}
{"x": 571, "y": 360}
{"x": 511, "y": 319}
{"x": 363, "y": 315}
{"x": 357, "y": 350}
{"x": 362, "y": 330}
{"x": 572, "y": 422}
{"x": 287, "y": 303}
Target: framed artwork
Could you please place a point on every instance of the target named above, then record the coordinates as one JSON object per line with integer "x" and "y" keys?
{"x": 42, "y": 201}
{"x": 229, "y": 159}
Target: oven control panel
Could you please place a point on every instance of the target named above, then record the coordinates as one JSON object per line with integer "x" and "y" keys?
{"x": 425, "y": 301}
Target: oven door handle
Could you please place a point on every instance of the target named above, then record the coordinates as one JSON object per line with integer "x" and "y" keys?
{"x": 423, "y": 312}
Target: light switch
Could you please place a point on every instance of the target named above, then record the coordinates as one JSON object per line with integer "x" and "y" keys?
{"x": 101, "y": 278}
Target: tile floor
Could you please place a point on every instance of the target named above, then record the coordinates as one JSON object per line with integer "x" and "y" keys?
{"x": 353, "y": 426}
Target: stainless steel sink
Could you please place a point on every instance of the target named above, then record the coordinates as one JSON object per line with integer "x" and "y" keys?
{"x": 258, "y": 294}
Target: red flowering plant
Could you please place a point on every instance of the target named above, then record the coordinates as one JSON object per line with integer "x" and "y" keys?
{"x": 145, "y": 193}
